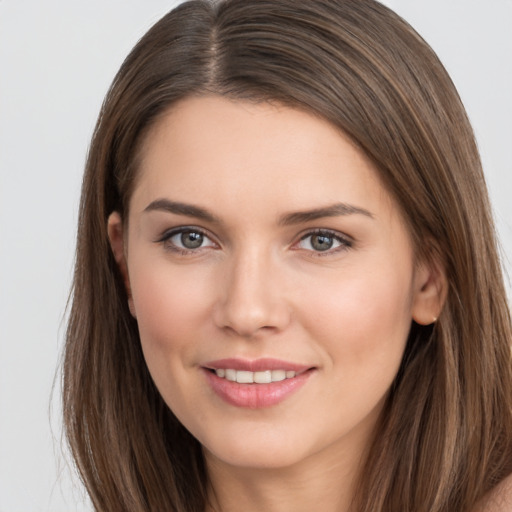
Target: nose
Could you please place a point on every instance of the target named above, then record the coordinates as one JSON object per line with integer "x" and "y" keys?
{"x": 252, "y": 297}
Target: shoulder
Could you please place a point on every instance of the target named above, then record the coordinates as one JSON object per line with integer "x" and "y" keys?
{"x": 499, "y": 499}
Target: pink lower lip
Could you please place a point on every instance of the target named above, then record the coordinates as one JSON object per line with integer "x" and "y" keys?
{"x": 255, "y": 396}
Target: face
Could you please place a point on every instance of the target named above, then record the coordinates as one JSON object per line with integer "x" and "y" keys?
{"x": 272, "y": 279}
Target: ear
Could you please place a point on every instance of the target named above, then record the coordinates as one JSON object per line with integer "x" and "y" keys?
{"x": 430, "y": 289}
{"x": 117, "y": 244}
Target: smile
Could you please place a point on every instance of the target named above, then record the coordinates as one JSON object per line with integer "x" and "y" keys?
{"x": 256, "y": 384}
{"x": 248, "y": 377}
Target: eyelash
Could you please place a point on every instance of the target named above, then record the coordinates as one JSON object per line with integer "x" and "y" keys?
{"x": 345, "y": 242}
{"x": 165, "y": 240}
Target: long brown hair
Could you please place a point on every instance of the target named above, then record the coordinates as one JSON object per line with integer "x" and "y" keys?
{"x": 445, "y": 436}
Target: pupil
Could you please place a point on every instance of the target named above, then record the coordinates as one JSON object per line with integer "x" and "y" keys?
{"x": 191, "y": 239}
{"x": 321, "y": 242}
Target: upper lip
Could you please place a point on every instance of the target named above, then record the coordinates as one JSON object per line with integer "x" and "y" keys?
{"x": 256, "y": 365}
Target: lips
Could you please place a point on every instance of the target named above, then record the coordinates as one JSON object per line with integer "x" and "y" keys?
{"x": 255, "y": 384}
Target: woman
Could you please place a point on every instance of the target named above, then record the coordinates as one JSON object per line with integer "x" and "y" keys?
{"x": 287, "y": 293}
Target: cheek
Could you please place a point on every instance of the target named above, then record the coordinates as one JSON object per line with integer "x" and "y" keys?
{"x": 171, "y": 307}
{"x": 171, "y": 304}
{"x": 363, "y": 320}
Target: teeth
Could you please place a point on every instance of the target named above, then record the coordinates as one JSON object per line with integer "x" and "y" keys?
{"x": 244, "y": 377}
{"x": 278, "y": 375}
{"x": 231, "y": 375}
{"x": 264, "y": 377}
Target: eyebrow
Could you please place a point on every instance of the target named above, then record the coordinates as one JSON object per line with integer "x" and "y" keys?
{"x": 165, "y": 205}
{"x": 189, "y": 210}
{"x": 334, "y": 210}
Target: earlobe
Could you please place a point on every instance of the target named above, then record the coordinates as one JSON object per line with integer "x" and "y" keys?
{"x": 429, "y": 293}
{"x": 117, "y": 244}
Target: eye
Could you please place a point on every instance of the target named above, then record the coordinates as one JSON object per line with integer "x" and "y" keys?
{"x": 322, "y": 241}
{"x": 186, "y": 240}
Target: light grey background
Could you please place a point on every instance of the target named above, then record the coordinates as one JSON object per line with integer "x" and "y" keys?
{"x": 57, "y": 59}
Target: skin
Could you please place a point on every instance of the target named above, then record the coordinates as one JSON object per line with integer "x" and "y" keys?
{"x": 499, "y": 499}
{"x": 258, "y": 287}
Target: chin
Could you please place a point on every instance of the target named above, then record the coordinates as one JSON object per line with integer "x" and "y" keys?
{"x": 259, "y": 448}
{"x": 255, "y": 458}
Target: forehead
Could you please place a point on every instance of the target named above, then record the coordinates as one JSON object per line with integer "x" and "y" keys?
{"x": 212, "y": 146}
